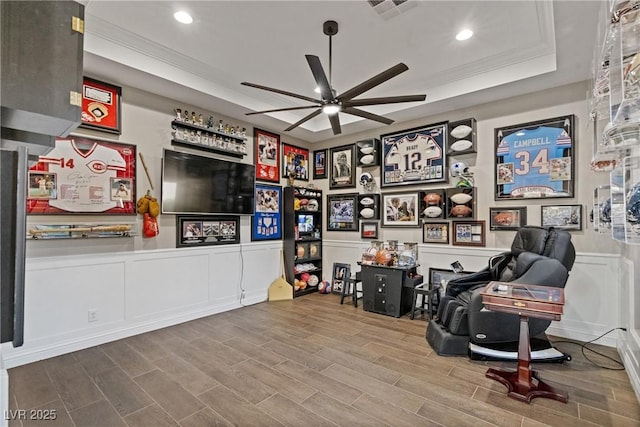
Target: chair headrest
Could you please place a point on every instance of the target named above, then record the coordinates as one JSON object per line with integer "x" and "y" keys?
{"x": 550, "y": 242}
{"x": 530, "y": 239}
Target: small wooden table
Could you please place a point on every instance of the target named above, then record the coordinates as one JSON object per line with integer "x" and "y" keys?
{"x": 543, "y": 302}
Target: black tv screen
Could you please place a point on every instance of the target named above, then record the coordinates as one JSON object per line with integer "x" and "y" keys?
{"x": 194, "y": 184}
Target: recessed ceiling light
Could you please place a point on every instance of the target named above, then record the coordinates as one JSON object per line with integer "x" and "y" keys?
{"x": 464, "y": 34}
{"x": 183, "y": 17}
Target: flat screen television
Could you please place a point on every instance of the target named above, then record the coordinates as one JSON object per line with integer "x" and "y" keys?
{"x": 305, "y": 224}
{"x": 193, "y": 184}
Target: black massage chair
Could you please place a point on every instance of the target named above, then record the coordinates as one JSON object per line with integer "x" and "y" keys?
{"x": 463, "y": 326}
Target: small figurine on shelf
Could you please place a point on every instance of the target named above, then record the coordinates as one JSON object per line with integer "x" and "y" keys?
{"x": 178, "y": 114}
{"x": 186, "y": 116}
{"x": 232, "y": 131}
{"x": 243, "y": 133}
{"x": 200, "y": 120}
{"x": 193, "y": 118}
{"x": 220, "y": 126}
{"x": 226, "y": 128}
{"x": 210, "y": 122}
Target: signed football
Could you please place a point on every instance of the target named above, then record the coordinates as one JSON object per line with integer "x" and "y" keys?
{"x": 432, "y": 199}
{"x": 461, "y": 211}
{"x": 367, "y": 213}
{"x": 460, "y": 198}
{"x": 367, "y": 150}
{"x": 367, "y": 160}
{"x": 366, "y": 201}
{"x": 432, "y": 212}
{"x": 461, "y": 131}
{"x": 461, "y": 145}
{"x": 504, "y": 218}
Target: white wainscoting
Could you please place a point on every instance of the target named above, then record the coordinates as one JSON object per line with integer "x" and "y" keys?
{"x": 629, "y": 342}
{"x": 592, "y": 291}
{"x": 135, "y": 292}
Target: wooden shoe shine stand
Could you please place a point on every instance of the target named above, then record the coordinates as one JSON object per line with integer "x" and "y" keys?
{"x": 542, "y": 302}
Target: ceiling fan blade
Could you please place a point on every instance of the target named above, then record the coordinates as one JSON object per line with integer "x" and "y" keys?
{"x": 282, "y": 92}
{"x": 304, "y": 119}
{"x": 320, "y": 77}
{"x": 373, "y": 82}
{"x": 367, "y": 115}
{"x": 281, "y": 109}
{"x": 384, "y": 100}
{"x": 335, "y": 123}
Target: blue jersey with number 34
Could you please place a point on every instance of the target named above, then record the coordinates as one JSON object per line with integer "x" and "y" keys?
{"x": 531, "y": 151}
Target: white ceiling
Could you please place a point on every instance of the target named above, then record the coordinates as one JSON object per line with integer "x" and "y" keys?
{"x": 518, "y": 47}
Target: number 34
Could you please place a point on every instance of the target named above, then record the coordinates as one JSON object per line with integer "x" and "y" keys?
{"x": 540, "y": 162}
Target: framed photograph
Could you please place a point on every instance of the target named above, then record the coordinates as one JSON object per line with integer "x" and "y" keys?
{"x": 295, "y": 162}
{"x": 468, "y": 233}
{"x": 343, "y": 172}
{"x": 207, "y": 230}
{"x": 567, "y": 217}
{"x": 266, "y": 223}
{"x": 369, "y": 206}
{"x": 84, "y": 176}
{"x": 267, "y": 155}
{"x": 368, "y": 152}
{"x": 400, "y": 210}
{"x": 535, "y": 160}
{"x": 320, "y": 164}
{"x": 369, "y": 230}
{"x": 415, "y": 156}
{"x": 507, "y": 218}
{"x": 101, "y": 106}
{"x": 341, "y": 212}
{"x": 340, "y": 272}
{"x": 462, "y": 137}
{"x": 435, "y": 232}
{"x": 442, "y": 276}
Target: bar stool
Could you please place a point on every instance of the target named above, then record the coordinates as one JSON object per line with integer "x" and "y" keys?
{"x": 350, "y": 288}
{"x": 427, "y": 294}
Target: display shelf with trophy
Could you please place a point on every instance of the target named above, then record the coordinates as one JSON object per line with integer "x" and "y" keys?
{"x": 192, "y": 130}
{"x": 302, "y": 229}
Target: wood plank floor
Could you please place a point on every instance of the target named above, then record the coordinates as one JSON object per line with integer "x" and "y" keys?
{"x": 308, "y": 362}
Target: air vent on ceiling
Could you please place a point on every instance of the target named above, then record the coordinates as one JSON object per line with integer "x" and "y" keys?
{"x": 387, "y": 9}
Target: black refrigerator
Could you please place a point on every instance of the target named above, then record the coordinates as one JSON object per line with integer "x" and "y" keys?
{"x": 13, "y": 181}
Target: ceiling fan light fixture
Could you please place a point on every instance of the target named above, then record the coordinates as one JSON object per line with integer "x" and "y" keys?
{"x": 331, "y": 109}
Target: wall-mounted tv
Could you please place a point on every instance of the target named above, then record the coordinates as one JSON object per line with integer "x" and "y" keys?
{"x": 193, "y": 184}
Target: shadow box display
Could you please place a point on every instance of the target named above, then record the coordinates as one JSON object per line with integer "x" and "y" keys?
{"x": 266, "y": 223}
{"x": 468, "y": 233}
{"x": 207, "y": 230}
{"x": 369, "y": 229}
{"x": 101, "y": 106}
{"x": 460, "y": 202}
{"x": 368, "y": 152}
{"x": 369, "y": 206}
{"x": 432, "y": 204}
{"x": 340, "y": 273}
{"x": 507, "y": 218}
{"x": 435, "y": 232}
{"x": 414, "y": 156}
{"x": 84, "y": 176}
{"x": 535, "y": 160}
{"x": 462, "y": 137}
{"x": 341, "y": 212}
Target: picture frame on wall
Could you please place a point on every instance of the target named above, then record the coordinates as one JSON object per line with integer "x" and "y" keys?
{"x": 207, "y": 230}
{"x": 511, "y": 218}
{"x": 442, "y": 276}
{"x": 320, "y": 164}
{"x": 266, "y": 223}
{"x": 58, "y": 182}
{"x": 435, "y": 232}
{"x": 343, "y": 171}
{"x": 341, "y": 212}
{"x": 414, "y": 156}
{"x": 400, "y": 210}
{"x": 267, "y": 155}
{"x": 468, "y": 233}
{"x": 535, "y": 160}
{"x": 101, "y": 106}
{"x": 295, "y": 162}
{"x": 566, "y": 217}
{"x": 369, "y": 230}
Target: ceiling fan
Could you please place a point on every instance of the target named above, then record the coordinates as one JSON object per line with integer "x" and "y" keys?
{"x": 330, "y": 103}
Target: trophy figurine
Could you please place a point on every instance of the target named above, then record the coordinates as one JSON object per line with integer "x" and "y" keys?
{"x": 200, "y": 120}
{"x": 220, "y": 126}
{"x": 193, "y": 118}
{"x": 178, "y": 114}
{"x": 210, "y": 122}
{"x": 186, "y": 116}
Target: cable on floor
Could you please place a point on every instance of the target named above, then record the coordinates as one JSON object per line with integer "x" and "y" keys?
{"x": 583, "y": 347}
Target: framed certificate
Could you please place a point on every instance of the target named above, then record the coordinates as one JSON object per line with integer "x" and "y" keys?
{"x": 535, "y": 160}
{"x": 415, "y": 156}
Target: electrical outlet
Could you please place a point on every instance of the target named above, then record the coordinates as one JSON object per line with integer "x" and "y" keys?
{"x": 93, "y": 315}
{"x": 242, "y": 294}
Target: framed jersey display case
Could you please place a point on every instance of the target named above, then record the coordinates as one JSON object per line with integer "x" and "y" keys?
{"x": 414, "y": 156}
{"x": 84, "y": 176}
{"x": 535, "y": 160}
